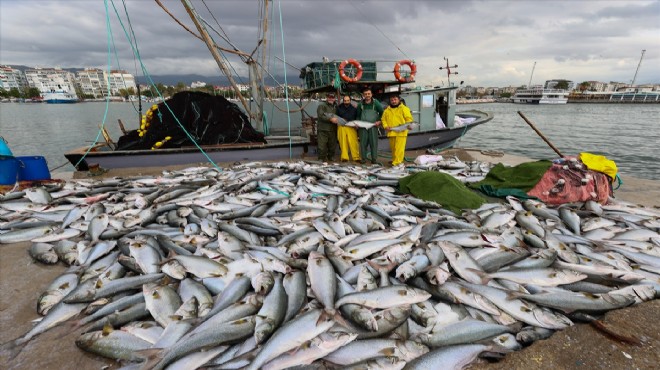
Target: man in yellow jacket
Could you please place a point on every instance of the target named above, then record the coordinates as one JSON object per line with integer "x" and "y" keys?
{"x": 395, "y": 115}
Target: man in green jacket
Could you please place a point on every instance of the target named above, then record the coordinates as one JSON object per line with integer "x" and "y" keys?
{"x": 369, "y": 110}
{"x": 326, "y": 129}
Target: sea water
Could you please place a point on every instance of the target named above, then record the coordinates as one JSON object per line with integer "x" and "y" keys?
{"x": 629, "y": 134}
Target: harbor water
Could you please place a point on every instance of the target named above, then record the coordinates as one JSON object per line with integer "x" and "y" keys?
{"x": 626, "y": 133}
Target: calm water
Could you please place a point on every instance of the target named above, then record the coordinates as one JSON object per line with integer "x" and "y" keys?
{"x": 628, "y": 134}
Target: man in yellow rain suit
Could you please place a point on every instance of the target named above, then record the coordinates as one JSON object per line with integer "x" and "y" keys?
{"x": 396, "y": 114}
{"x": 347, "y": 136}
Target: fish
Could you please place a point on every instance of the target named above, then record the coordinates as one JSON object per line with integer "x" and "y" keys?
{"x": 360, "y": 124}
{"x": 408, "y": 126}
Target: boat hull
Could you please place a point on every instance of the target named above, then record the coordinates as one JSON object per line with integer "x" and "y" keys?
{"x": 60, "y": 101}
{"x": 60, "y": 97}
{"x": 278, "y": 148}
{"x": 541, "y": 96}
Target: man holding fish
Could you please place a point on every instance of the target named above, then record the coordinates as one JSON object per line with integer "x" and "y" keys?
{"x": 369, "y": 110}
{"x": 395, "y": 116}
{"x": 326, "y": 129}
{"x": 348, "y": 140}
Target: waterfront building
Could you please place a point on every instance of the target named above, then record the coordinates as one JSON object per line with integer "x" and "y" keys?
{"x": 51, "y": 80}
{"x": 11, "y": 78}
{"x": 92, "y": 82}
{"x": 118, "y": 80}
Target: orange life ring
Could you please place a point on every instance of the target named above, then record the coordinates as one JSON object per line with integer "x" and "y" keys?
{"x": 397, "y": 71}
{"x": 355, "y": 64}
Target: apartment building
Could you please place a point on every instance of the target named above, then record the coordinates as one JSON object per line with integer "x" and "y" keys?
{"x": 51, "y": 79}
{"x": 92, "y": 82}
{"x": 118, "y": 80}
{"x": 11, "y": 78}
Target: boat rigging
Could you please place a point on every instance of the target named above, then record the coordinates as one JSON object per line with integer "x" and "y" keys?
{"x": 448, "y": 68}
{"x": 637, "y": 70}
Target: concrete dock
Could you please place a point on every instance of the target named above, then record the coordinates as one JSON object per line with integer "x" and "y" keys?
{"x": 579, "y": 347}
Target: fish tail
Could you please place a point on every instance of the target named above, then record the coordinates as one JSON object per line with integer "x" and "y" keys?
{"x": 13, "y": 348}
{"x": 152, "y": 357}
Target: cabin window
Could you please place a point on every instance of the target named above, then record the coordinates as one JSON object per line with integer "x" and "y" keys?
{"x": 427, "y": 101}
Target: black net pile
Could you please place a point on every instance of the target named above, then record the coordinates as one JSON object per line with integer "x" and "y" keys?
{"x": 208, "y": 119}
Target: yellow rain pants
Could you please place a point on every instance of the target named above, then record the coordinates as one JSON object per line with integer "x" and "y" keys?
{"x": 398, "y": 148}
{"x": 348, "y": 140}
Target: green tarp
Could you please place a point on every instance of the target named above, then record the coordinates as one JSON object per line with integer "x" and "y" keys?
{"x": 522, "y": 177}
{"x": 442, "y": 189}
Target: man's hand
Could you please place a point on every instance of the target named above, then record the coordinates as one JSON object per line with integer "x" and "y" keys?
{"x": 334, "y": 120}
{"x": 377, "y": 123}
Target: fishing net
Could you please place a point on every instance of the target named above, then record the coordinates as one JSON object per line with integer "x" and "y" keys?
{"x": 210, "y": 120}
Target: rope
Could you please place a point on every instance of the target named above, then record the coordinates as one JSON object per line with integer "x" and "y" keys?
{"x": 364, "y": 16}
{"x": 107, "y": 98}
{"x": 286, "y": 85}
{"x": 130, "y": 26}
{"x": 148, "y": 76}
{"x": 237, "y": 52}
{"x": 274, "y": 191}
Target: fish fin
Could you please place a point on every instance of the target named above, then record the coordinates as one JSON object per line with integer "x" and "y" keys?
{"x": 107, "y": 329}
{"x": 482, "y": 275}
{"x": 514, "y": 295}
{"x": 340, "y": 320}
{"x": 388, "y": 352}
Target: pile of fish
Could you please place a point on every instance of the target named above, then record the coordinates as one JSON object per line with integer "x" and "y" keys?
{"x": 278, "y": 265}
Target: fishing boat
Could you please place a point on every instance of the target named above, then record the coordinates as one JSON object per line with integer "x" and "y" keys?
{"x": 428, "y": 106}
{"x": 541, "y": 96}
{"x": 434, "y": 109}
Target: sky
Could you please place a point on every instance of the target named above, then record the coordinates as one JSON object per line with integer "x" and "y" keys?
{"x": 494, "y": 43}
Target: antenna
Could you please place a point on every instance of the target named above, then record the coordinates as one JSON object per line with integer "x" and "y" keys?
{"x": 638, "y": 65}
{"x": 448, "y": 68}
{"x": 529, "y": 85}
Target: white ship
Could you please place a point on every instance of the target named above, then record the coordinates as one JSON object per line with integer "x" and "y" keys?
{"x": 541, "y": 96}
{"x": 60, "y": 96}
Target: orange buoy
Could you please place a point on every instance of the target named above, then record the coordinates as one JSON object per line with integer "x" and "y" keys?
{"x": 355, "y": 64}
{"x": 397, "y": 71}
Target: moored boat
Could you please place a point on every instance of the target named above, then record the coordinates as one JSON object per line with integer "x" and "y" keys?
{"x": 434, "y": 109}
{"x": 60, "y": 97}
{"x": 541, "y": 96}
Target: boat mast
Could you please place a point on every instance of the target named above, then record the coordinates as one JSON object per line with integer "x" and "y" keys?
{"x": 256, "y": 74}
{"x": 529, "y": 84}
{"x": 638, "y": 65}
{"x": 218, "y": 59}
{"x": 448, "y": 68}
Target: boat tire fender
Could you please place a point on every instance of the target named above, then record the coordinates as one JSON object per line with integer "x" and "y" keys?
{"x": 397, "y": 71}
{"x": 355, "y": 64}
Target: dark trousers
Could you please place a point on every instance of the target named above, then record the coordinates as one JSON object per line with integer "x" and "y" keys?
{"x": 369, "y": 139}
{"x": 327, "y": 142}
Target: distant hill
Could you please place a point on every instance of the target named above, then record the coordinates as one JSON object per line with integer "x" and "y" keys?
{"x": 186, "y": 79}
{"x": 214, "y": 80}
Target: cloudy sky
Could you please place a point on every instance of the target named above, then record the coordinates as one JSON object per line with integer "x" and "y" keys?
{"x": 494, "y": 43}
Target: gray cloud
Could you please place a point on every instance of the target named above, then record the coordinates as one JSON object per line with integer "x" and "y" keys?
{"x": 494, "y": 43}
